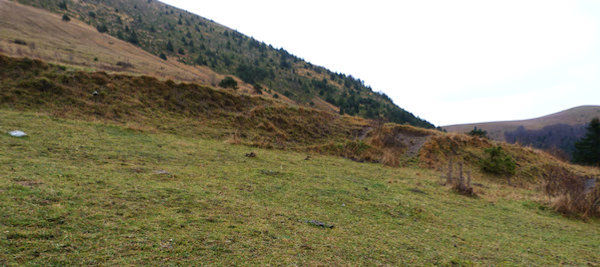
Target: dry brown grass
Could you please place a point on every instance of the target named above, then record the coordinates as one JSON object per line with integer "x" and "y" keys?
{"x": 324, "y": 105}
{"x": 531, "y": 163}
{"x": 78, "y": 44}
{"x": 569, "y": 191}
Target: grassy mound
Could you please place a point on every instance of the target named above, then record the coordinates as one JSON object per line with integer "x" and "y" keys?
{"x": 531, "y": 164}
{"x": 147, "y": 103}
{"x": 150, "y": 105}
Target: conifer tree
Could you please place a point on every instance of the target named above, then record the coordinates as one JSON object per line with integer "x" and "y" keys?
{"x": 587, "y": 149}
{"x": 170, "y": 46}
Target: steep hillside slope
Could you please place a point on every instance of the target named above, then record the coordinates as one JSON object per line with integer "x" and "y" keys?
{"x": 30, "y": 32}
{"x": 496, "y": 130}
{"x": 179, "y": 35}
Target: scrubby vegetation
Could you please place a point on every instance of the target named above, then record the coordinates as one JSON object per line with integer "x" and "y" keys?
{"x": 498, "y": 162}
{"x": 228, "y": 82}
{"x": 478, "y": 132}
{"x": 572, "y": 194}
{"x": 34, "y": 85}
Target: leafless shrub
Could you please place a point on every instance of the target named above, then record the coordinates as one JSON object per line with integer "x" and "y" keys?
{"x": 571, "y": 193}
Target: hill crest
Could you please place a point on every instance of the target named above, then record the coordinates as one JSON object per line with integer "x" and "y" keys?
{"x": 190, "y": 39}
{"x": 574, "y": 116}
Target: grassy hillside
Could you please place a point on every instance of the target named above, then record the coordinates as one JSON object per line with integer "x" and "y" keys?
{"x": 76, "y": 192}
{"x": 35, "y": 33}
{"x": 149, "y": 104}
{"x": 192, "y": 110}
{"x": 155, "y": 172}
{"x": 193, "y": 40}
{"x": 496, "y": 130}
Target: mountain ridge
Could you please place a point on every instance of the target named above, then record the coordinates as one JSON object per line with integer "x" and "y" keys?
{"x": 174, "y": 33}
{"x": 36, "y": 33}
{"x": 579, "y": 115}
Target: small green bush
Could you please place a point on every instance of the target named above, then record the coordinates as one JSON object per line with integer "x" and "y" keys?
{"x": 498, "y": 162}
{"x": 478, "y": 132}
{"x": 228, "y": 82}
{"x": 102, "y": 28}
{"x": 258, "y": 89}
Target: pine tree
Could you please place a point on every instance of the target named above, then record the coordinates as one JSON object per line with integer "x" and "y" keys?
{"x": 170, "y": 46}
{"x": 587, "y": 149}
{"x": 133, "y": 38}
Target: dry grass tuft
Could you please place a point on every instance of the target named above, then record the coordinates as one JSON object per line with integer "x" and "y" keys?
{"x": 572, "y": 193}
{"x": 390, "y": 158}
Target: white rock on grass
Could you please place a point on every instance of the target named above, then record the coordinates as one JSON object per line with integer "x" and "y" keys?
{"x": 17, "y": 133}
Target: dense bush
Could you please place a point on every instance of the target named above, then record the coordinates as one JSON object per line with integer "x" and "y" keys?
{"x": 228, "y": 82}
{"x": 498, "y": 162}
{"x": 478, "y": 132}
{"x": 102, "y": 28}
{"x": 133, "y": 38}
{"x": 253, "y": 74}
{"x": 258, "y": 89}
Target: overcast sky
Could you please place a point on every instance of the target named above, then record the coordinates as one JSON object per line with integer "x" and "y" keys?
{"x": 445, "y": 61}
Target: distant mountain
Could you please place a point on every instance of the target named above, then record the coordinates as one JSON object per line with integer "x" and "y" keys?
{"x": 574, "y": 116}
{"x": 177, "y": 35}
{"x": 555, "y": 133}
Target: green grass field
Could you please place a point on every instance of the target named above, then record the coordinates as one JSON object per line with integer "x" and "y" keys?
{"x": 91, "y": 193}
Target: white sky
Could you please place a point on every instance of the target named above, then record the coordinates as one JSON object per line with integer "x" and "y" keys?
{"x": 448, "y": 62}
